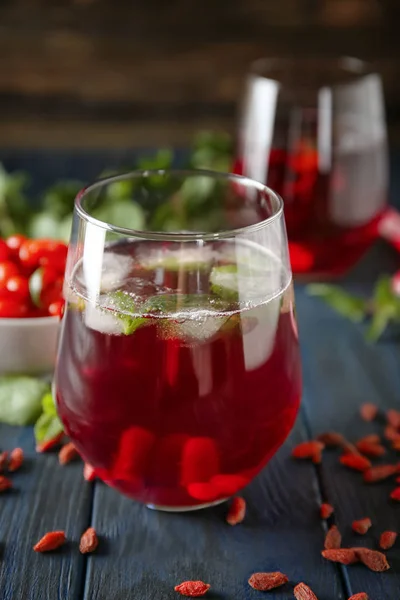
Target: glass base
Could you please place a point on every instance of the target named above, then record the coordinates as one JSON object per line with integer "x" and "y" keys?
{"x": 176, "y": 509}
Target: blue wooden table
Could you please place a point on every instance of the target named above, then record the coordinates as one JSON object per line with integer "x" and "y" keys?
{"x": 143, "y": 554}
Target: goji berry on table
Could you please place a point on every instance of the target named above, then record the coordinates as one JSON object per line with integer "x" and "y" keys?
{"x": 237, "y": 511}
{"x": 3, "y": 460}
{"x": 267, "y": 581}
{"x": 326, "y": 510}
{"x": 345, "y": 556}
{"x": 5, "y": 483}
{"x": 303, "y": 592}
{"x": 371, "y": 449}
{"x": 331, "y": 439}
{"x": 368, "y": 411}
{"x": 16, "y": 459}
{"x": 89, "y": 541}
{"x": 374, "y": 560}
{"x": 391, "y": 434}
{"x": 192, "y": 589}
{"x": 333, "y": 538}
{"x": 50, "y": 541}
{"x": 67, "y": 453}
{"x": 393, "y": 418}
{"x": 362, "y": 525}
{"x": 380, "y": 473}
{"x": 355, "y": 462}
{"x": 49, "y": 444}
{"x": 310, "y": 449}
{"x": 360, "y": 596}
{"x": 387, "y": 539}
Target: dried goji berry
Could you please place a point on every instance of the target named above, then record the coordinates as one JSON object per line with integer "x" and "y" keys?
{"x": 326, "y": 510}
{"x": 200, "y": 460}
{"x": 370, "y": 448}
{"x": 331, "y": 439}
{"x": 193, "y": 589}
{"x": 333, "y": 539}
{"x": 3, "y": 460}
{"x": 165, "y": 456}
{"x": 308, "y": 449}
{"x": 67, "y": 453}
{"x": 393, "y": 418}
{"x": 89, "y": 472}
{"x": 387, "y": 539}
{"x": 396, "y": 444}
{"x": 303, "y": 592}
{"x": 228, "y": 485}
{"x": 237, "y": 511}
{"x": 374, "y": 560}
{"x": 391, "y": 434}
{"x": 361, "y": 526}
{"x": 5, "y": 483}
{"x": 16, "y": 459}
{"x": 267, "y": 581}
{"x": 204, "y": 492}
{"x": 345, "y": 556}
{"x": 134, "y": 453}
{"x": 372, "y": 438}
{"x": 355, "y": 461}
{"x": 395, "y": 495}
{"x": 49, "y": 444}
{"x": 50, "y": 541}
{"x": 360, "y": 596}
{"x": 89, "y": 541}
{"x": 380, "y": 473}
{"x": 368, "y": 411}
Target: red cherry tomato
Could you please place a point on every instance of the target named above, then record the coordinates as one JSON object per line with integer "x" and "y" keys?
{"x": 52, "y": 293}
{"x": 4, "y": 253}
{"x": 18, "y": 287}
{"x": 7, "y": 269}
{"x": 43, "y": 253}
{"x": 13, "y": 310}
{"x": 14, "y": 243}
{"x": 56, "y": 309}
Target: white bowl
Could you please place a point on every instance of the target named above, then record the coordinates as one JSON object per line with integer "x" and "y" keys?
{"x": 28, "y": 345}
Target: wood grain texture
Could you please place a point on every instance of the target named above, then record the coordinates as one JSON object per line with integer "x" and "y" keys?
{"x": 46, "y": 497}
{"x": 145, "y": 553}
{"x": 341, "y": 371}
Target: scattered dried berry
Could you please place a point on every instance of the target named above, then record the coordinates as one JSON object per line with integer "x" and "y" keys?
{"x": 374, "y": 560}
{"x": 396, "y": 444}
{"x": 395, "y": 495}
{"x": 355, "y": 461}
{"x": 49, "y": 444}
{"x": 345, "y": 556}
{"x": 360, "y": 596}
{"x": 89, "y": 472}
{"x": 380, "y": 473}
{"x": 361, "y": 526}
{"x": 308, "y": 450}
{"x": 333, "y": 539}
{"x": 3, "y": 460}
{"x": 303, "y": 592}
{"x": 393, "y": 418}
{"x": 5, "y": 483}
{"x": 326, "y": 510}
{"x": 193, "y": 589}
{"x": 50, "y": 541}
{"x": 267, "y": 581}
{"x": 237, "y": 511}
{"x": 391, "y": 434}
{"x": 370, "y": 448}
{"x": 16, "y": 459}
{"x": 368, "y": 411}
{"x": 387, "y": 539}
{"x": 67, "y": 453}
{"x": 331, "y": 439}
{"x": 372, "y": 438}
{"x": 89, "y": 541}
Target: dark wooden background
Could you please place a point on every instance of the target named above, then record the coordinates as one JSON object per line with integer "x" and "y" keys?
{"x": 144, "y": 72}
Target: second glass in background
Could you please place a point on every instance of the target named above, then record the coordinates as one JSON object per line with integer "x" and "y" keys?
{"x": 314, "y": 130}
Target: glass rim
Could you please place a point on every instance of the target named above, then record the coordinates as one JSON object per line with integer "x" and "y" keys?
{"x": 178, "y": 235}
{"x": 352, "y": 65}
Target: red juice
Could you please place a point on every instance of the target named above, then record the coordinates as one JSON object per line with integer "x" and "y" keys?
{"x": 174, "y": 386}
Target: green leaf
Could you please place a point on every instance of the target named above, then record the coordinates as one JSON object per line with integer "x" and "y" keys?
{"x": 347, "y": 305}
{"x": 163, "y": 159}
{"x": 124, "y": 213}
{"x": 379, "y": 322}
{"x": 48, "y": 405}
{"x": 47, "y": 427}
{"x": 20, "y": 399}
{"x": 58, "y": 200}
{"x": 126, "y": 307}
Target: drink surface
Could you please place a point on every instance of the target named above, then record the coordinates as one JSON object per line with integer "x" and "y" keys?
{"x": 182, "y": 378}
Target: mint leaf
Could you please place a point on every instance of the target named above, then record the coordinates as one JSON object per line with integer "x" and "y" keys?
{"x": 48, "y": 405}
{"x": 47, "y": 427}
{"x": 379, "y": 322}
{"x": 20, "y": 399}
{"x": 125, "y": 305}
{"x": 347, "y": 305}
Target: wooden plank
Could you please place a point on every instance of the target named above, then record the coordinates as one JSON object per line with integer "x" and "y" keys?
{"x": 144, "y": 553}
{"x": 341, "y": 372}
{"x": 45, "y": 497}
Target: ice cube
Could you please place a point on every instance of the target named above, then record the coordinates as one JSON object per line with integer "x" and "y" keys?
{"x": 115, "y": 269}
{"x": 97, "y": 317}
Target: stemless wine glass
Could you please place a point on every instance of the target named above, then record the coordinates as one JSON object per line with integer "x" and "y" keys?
{"x": 314, "y": 130}
{"x": 178, "y": 374}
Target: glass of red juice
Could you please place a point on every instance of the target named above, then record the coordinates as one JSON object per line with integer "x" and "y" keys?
{"x": 314, "y": 130}
{"x": 178, "y": 375}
